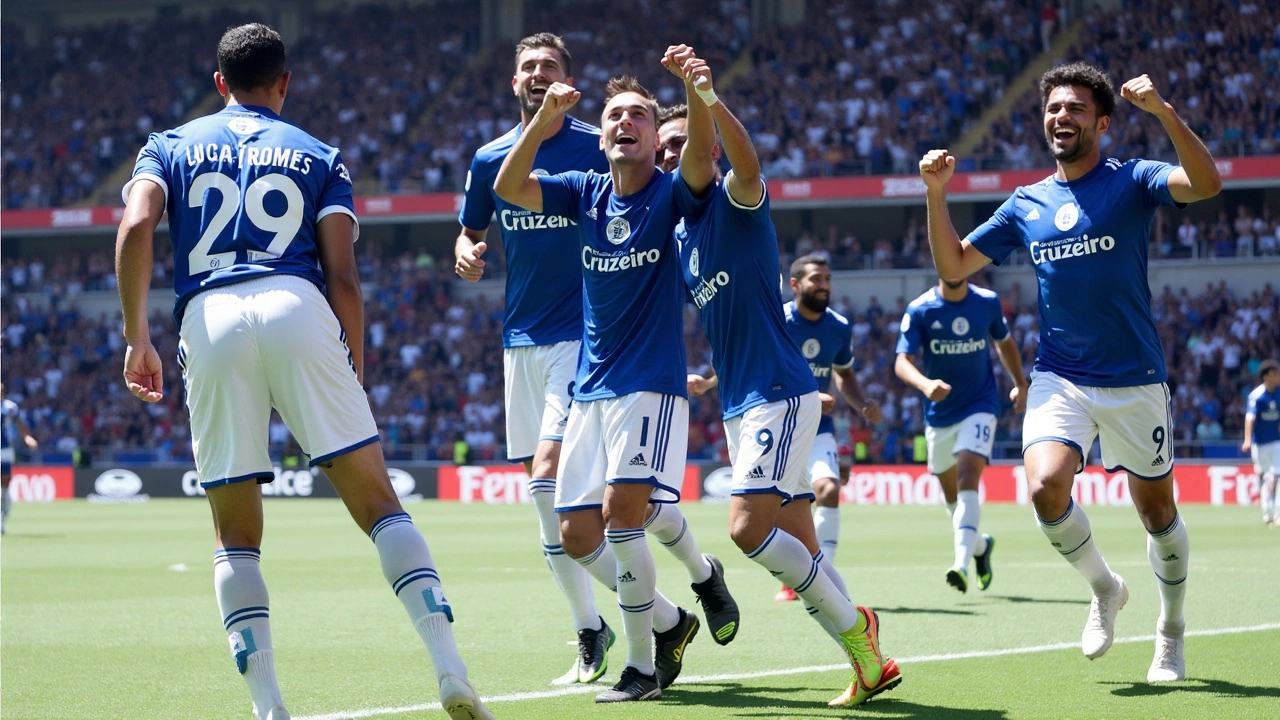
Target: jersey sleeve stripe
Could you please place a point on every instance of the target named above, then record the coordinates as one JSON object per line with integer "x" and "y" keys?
{"x": 763, "y": 196}
{"x": 838, "y": 366}
{"x": 345, "y": 211}
{"x": 124, "y": 192}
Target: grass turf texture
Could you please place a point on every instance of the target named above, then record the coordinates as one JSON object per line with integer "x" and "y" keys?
{"x": 108, "y": 612}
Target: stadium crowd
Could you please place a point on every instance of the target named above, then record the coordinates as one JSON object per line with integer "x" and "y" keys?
{"x": 408, "y": 93}
{"x": 433, "y": 367}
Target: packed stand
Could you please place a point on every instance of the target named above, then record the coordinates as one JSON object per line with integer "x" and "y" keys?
{"x": 1217, "y": 62}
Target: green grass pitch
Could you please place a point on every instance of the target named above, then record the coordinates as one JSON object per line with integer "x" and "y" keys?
{"x": 108, "y": 612}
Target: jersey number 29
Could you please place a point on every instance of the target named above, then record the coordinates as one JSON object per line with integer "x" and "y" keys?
{"x": 285, "y": 226}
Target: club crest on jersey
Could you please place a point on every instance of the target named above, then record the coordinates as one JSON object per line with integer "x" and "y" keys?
{"x": 1067, "y": 216}
{"x": 693, "y": 262}
{"x": 618, "y": 230}
{"x": 244, "y": 126}
{"x": 811, "y": 348}
{"x": 960, "y": 326}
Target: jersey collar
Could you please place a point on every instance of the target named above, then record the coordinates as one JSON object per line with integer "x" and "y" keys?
{"x": 256, "y": 109}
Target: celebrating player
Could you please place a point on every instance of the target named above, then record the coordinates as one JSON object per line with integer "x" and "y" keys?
{"x": 1262, "y": 436}
{"x": 1100, "y": 372}
{"x": 949, "y": 324}
{"x": 626, "y": 436}
{"x": 542, "y": 322}
{"x": 729, "y": 259}
{"x": 271, "y": 316}
{"x": 825, "y": 339}
{"x": 13, "y": 428}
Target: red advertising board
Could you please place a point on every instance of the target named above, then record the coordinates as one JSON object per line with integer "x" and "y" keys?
{"x": 507, "y": 484}
{"x": 914, "y": 485}
{"x": 42, "y": 483}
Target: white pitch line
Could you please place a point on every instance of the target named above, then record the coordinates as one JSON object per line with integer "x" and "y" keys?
{"x": 728, "y": 677}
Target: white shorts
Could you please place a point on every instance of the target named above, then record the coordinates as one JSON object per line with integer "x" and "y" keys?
{"x": 1134, "y": 424}
{"x": 7, "y": 455}
{"x": 1266, "y": 458}
{"x": 975, "y": 434}
{"x": 769, "y": 447}
{"x": 824, "y": 460}
{"x": 640, "y": 438}
{"x": 538, "y": 388}
{"x": 264, "y": 343}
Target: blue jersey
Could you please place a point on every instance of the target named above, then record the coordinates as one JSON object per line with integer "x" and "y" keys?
{"x": 729, "y": 258}
{"x": 244, "y": 190}
{"x": 544, "y": 280}
{"x": 953, "y": 337}
{"x": 9, "y": 424}
{"x": 1088, "y": 240}
{"x": 1265, "y": 408}
{"x": 633, "y": 297}
{"x": 826, "y": 344}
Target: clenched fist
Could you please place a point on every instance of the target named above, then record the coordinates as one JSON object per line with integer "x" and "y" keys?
{"x": 558, "y": 100}
{"x": 1142, "y": 92}
{"x": 937, "y": 167}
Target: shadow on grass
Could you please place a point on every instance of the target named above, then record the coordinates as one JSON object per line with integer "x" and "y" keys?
{"x": 754, "y": 701}
{"x": 1221, "y": 688}
{"x": 1021, "y": 599}
{"x": 19, "y": 535}
{"x": 922, "y": 611}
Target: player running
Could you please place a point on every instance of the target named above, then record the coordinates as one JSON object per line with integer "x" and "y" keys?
{"x": 1100, "y": 372}
{"x": 13, "y": 427}
{"x": 729, "y": 259}
{"x": 1262, "y": 436}
{"x": 626, "y": 436}
{"x": 542, "y": 336}
{"x": 270, "y": 316}
{"x": 949, "y": 324}
{"x": 825, "y": 338}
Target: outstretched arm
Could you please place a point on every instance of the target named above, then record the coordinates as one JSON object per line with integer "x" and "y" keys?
{"x": 516, "y": 182}
{"x": 955, "y": 259}
{"x": 696, "y": 166}
{"x": 744, "y": 183}
{"x": 143, "y": 372}
{"x": 1197, "y": 176}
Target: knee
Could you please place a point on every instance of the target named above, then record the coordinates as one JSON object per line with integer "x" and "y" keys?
{"x": 577, "y": 542}
{"x": 747, "y": 534}
{"x": 1050, "y": 495}
{"x": 1157, "y": 515}
{"x": 237, "y": 537}
{"x": 546, "y": 461}
{"x": 826, "y": 493}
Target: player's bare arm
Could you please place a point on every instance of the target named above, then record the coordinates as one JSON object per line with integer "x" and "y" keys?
{"x": 744, "y": 182}
{"x": 1247, "y": 445}
{"x": 467, "y": 250}
{"x": 848, "y": 386}
{"x": 905, "y": 368}
{"x": 696, "y": 165}
{"x": 25, "y": 431}
{"x": 1011, "y": 359}
{"x": 143, "y": 372}
{"x": 335, "y": 238}
{"x": 700, "y": 385}
{"x": 516, "y": 182}
{"x": 1197, "y": 176}
{"x": 952, "y": 257}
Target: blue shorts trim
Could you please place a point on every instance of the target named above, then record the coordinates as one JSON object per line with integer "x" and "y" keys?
{"x": 651, "y": 480}
{"x": 573, "y": 508}
{"x": 552, "y": 438}
{"x": 801, "y": 497}
{"x": 1141, "y": 477}
{"x": 344, "y": 451}
{"x": 518, "y": 460}
{"x": 262, "y": 477}
{"x": 1065, "y": 441}
{"x": 786, "y": 497}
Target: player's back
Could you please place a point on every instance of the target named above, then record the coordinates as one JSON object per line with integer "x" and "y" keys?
{"x": 244, "y": 191}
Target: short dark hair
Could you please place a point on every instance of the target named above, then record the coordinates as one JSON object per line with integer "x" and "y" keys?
{"x": 1084, "y": 75}
{"x": 1267, "y": 366}
{"x": 675, "y": 112}
{"x": 797, "y": 266}
{"x": 251, "y": 57}
{"x": 546, "y": 40}
{"x": 627, "y": 83}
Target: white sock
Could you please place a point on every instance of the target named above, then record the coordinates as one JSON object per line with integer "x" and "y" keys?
{"x": 408, "y": 568}
{"x": 825, "y": 563}
{"x": 786, "y": 559}
{"x": 603, "y": 566}
{"x": 243, "y": 601}
{"x": 826, "y": 523}
{"x": 829, "y": 568}
{"x": 671, "y": 529}
{"x": 573, "y": 580}
{"x": 637, "y": 586}
{"x": 1168, "y": 551}
{"x": 1070, "y": 535}
{"x": 965, "y": 522}
{"x": 1268, "y": 501}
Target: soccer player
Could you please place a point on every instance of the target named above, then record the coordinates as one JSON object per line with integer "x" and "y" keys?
{"x": 949, "y": 324}
{"x": 13, "y": 428}
{"x": 270, "y": 316}
{"x": 626, "y": 436}
{"x": 1100, "y": 372}
{"x": 1262, "y": 435}
{"x": 729, "y": 260}
{"x": 542, "y": 336}
{"x": 825, "y": 339}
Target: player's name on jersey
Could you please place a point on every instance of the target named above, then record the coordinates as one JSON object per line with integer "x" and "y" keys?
{"x": 957, "y": 347}
{"x": 526, "y": 220}
{"x": 1054, "y": 250}
{"x": 598, "y": 261}
{"x": 708, "y": 287}
{"x": 242, "y": 155}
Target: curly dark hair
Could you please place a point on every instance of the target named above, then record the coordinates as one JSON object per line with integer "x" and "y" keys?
{"x": 251, "y": 57}
{"x": 1083, "y": 75}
